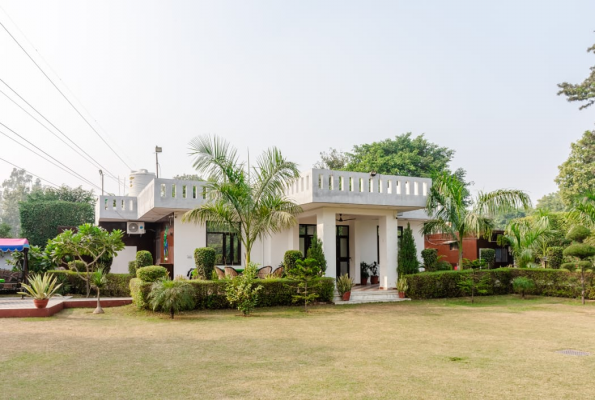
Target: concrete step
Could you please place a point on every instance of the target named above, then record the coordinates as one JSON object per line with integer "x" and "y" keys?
{"x": 376, "y": 296}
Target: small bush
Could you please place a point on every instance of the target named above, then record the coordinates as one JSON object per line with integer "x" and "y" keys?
{"x": 152, "y": 273}
{"x": 240, "y": 291}
{"x": 143, "y": 259}
{"x": 290, "y": 258}
{"x": 77, "y": 266}
{"x": 132, "y": 268}
{"x": 317, "y": 253}
{"x": 204, "y": 259}
{"x": 171, "y": 296}
{"x": 443, "y": 266}
{"x": 555, "y": 257}
{"x": 522, "y": 284}
{"x": 489, "y": 255}
{"x": 430, "y": 257}
{"x": 579, "y": 250}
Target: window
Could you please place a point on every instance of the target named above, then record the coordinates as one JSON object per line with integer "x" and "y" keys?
{"x": 307, "y": 232}
{"x": 226, "y": 243}
{"x": 501, "y": 255}
{"x": 454, "y": 246}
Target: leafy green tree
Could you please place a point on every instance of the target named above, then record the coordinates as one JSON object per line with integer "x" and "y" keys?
{"x": 577, "y": 173}
{"x": 5, "y": 230}
{"x": 89, "y": 244}
{"x": 552, "y": 202}
{"x": 407, "y": 262}
{"x": 171, "y": 296}
{"x": 501, "y": 220}
{"x": 522, "y": 284}
{"x": 305, "y": 271}
{"x": 456, "y": 217}
{"x": 63, "y": 193}
{"x": 581, "y": 252}
{"x": 333, "y": 159}
{"x": 252, "y": 198}
{"x": 474, "y": 284}
{"x": 241, "y": 292}
{"x": 583, "y": 92}
{"x": 14, "y": 190}
{"x": 317, "y": 253}
{"x": 188, "y": 177}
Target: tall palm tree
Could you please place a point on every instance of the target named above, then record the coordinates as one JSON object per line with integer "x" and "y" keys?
{"x": 251, "y": 198}
{"x": 583, "y": 209}
{"x": 529, "y": 238}
{"x": 456, "y": 216}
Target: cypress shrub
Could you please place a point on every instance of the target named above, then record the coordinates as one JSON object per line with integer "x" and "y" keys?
{"x": 204, "y": 259}
{"x": 430, "y": 257}
{"x": 151, "y": 274}
{"x": 317, "y": 253}
{"x": 143, "y": 259}
{"x": 407, "y": 258}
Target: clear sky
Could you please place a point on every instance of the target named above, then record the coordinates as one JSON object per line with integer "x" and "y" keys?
{"x": 479, "y": 77}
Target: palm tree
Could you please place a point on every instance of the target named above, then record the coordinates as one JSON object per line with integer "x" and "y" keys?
{"x": 456, "y": 216}
{"x": 583, "y": 209}
{"x": 251, "y": 198}
{"x": 529, "y": 238}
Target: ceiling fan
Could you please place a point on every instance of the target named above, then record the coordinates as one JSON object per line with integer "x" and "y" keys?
{"x": 344, "y": 220}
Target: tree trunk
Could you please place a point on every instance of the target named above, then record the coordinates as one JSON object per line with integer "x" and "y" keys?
{"x": 171, "y": 311}
{"x": 472, "y": 286}
{"x": 306, "y": 297}
{"x": 460, "y": 255}
{"x": 583, "y": 285}
{"x": 88, "y": 284}
{"x": 98, "y": 309}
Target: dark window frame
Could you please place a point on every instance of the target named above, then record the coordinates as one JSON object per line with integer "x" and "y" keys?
{"x": 307, "y": 237}
{"x": 229, "y": 236}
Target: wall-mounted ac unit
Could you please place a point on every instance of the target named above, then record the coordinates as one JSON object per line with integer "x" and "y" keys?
{"x": 135, "y": 228}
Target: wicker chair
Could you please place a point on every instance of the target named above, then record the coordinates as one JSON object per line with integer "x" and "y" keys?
{"x": 12, "y": 280}
{"x": 220, "y": 273}
{"x": 264, "y": 272}
{"x": 278, "y": 273}
{"x": 230, "y": 272}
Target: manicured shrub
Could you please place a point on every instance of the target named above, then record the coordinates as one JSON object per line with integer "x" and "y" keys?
{"x": 578, "y": 234}
{"x": 152, "y": 273}
{"x": 117, "y": 284}
{"x": 555, "y": 257}
{"x": 211, "y": 294}
{"x": 407, "y": 258}
{"x": 290, "y": 258}
{"x": 171, "y": 296}
{"x": 489, "y": 255}
{"x": 143, "y": 259}
{"x": 132, "y": 267}
{"x": 430, "y": 257}
{"x": 443, "y": 266}
{"x": 522, "y": 284}
{"x": 204, "y": 259}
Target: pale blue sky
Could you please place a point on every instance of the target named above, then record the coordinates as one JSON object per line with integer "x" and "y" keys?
{"x": 475, "y": 76}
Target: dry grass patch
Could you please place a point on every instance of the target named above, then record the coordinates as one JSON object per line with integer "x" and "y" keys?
{"x": 500, "y": 348}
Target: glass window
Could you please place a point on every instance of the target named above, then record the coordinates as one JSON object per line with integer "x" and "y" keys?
{"x": 226, "y": 242}
{"x": 307, "y": 233}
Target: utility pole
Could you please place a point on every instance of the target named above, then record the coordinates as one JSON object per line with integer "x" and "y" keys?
{"x": 101, "y": 173}
{"x": 157, "y": 151}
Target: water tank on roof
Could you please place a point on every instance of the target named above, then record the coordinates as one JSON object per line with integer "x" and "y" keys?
{"x": 138, "y": 180}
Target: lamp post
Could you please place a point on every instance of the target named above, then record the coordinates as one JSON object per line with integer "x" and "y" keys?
{"x": 101, "y": 173}
{"x": 157, "y": 151}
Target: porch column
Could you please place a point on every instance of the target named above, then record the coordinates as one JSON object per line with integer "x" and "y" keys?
{"x": 327, "y": 232}
{"x": 388, "y": 232}
{"x": 357, "y": 250}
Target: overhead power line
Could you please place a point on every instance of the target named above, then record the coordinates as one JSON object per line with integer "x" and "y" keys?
{"x": 90, "y": 159}
{"x": 61, "y": 165}
{"x": 30, "y": 173}
{"x": 64, "y": 96}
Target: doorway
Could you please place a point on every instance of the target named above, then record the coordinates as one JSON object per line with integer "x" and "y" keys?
{"x": 342, "y": 250}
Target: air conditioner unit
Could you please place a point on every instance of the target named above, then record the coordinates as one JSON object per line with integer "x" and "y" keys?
{"x": 135, "y": 228}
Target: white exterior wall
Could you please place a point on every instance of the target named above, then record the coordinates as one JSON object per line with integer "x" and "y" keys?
{"x": 187, "y": 237}
{"x": 121, "y": 260}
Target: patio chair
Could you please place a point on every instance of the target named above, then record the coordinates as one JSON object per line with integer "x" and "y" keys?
{"x": 11, "y": 279}
{"x": 264, "y": 272}
{"x": 220, "y": 273}
{"x": 278, "y": 273}
{"x": 230, "y": 272}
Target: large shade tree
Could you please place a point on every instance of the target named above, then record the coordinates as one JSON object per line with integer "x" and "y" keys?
{"x": 456, "y": 216}
{"x": 577, "y": 173}
{"x": 239, "y": 195}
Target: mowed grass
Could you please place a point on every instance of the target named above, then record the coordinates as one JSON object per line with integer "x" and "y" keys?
{"x": 502, "y": 347}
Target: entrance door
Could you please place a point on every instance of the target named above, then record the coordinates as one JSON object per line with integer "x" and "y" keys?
{"x": 342, "y": 250}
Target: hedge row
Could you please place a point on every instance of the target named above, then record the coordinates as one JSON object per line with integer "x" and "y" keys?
{"x": 117, "y": 284}
{"x": 548, "y": 282}
{"x": 211, "y": 294}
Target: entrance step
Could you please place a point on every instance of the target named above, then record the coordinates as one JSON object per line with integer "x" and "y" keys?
{"x": 375, "y": 296}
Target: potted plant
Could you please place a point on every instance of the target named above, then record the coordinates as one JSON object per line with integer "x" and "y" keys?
{"x": 402, "y": 287}
{"x": 344, "y": 285}
{"x": 364, "y": 272}
{"x": 374, "y": 274}
{"x": 41, "y": 288}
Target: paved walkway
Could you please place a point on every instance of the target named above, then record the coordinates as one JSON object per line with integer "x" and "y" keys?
{"x": 17, "y": 307}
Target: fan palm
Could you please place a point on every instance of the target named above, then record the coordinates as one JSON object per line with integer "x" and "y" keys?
{"x": 252, "y": 199}
{"x": 456, "y": 216}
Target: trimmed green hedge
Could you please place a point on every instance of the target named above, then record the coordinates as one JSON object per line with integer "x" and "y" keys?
{"x": 548, "y": 282}
{"x": 211, "y": 294}
{"x": 151, "y": 274}
{"x": 117, "y": 284}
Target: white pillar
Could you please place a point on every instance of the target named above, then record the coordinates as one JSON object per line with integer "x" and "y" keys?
{"x": 326, "y": 231}
{"x": 357, "y": 250}
{"x": 388, "y": 232}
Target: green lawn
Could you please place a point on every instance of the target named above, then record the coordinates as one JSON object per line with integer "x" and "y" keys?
{"x": 500, "y": 348}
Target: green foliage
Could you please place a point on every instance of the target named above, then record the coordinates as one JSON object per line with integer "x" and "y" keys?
{"x": 522, "y": 284}
{"x": 40, "y": 220}
{"x": 39, "y": 260}
{"x": 254, "y": 200}
{"x": 579, "y": 250}
{"x": 583, "y": 92}
{"x": 577, "y": 172}
{"x": 171, "y": 296}
{"x": 334, "y": 159}
{"x": 241, "y": 291}
{"x": 204, "y": 259}
{"x": 474, "y": 284}
{"x": 132, "y": 267}
{"x": 211, "y": 294}
{"x": 552, "y": 202}
{"x": 40, "y": 287}
{"x": 5, "y": 230}
{"x": 63, "y": 193}
{"x": 316, "y": 252}
{"x": 77, "y": 266}
{"x": 578, "y": 234}
{"x": 555, "y": 255}
{"x": 402, "y": 285}
{"x": 290, "y": 258}
{"x": 305, "y": 271}
{"x": 442, "y": 265}
{"x": 474, "y": 264}
{"x": 430, "y": 257}
{"x": 117, "y": 284}
{"x": 143, "y": 259}
{"x": 344, "y": 284}
{"x": 489, "y": 255}
{"x": 364, "y": 270}
{"x": 407, "y": 257}
{"x": 572, "y": 266}
{"x": 152, "y": 273}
